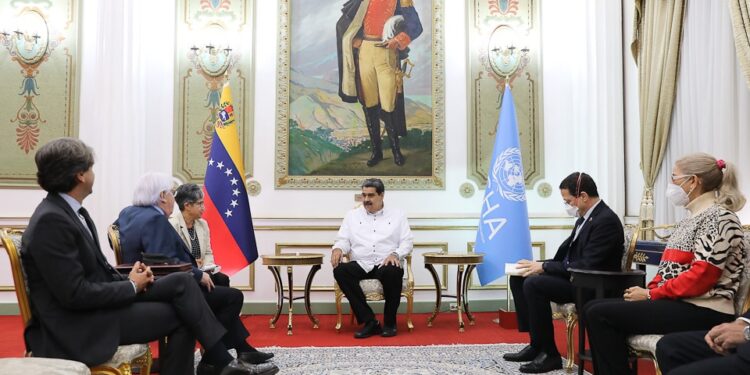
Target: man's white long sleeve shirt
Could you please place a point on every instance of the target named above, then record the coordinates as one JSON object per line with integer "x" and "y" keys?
{"x": 369, "y": 238}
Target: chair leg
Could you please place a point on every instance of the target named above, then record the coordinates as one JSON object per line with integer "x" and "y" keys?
{"x": 144, "y": 362}
{"x": 570, "y": 324}
{"x": 338, "y": 310}
{"x": 409, "y": 309}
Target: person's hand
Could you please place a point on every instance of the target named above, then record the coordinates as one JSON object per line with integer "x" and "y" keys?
{"x": 726, "y": 336}
{"x": 336, "y": 257}
{"x": 356, "y": 43}
{"x": 392, "y": 44}
{"x": 207, "y": 282}
{"x": 199, "y": 262}
{"x": 529, "y": 267}
{"x": 141, "y": 276}
{"x": 391, "y": 260}
{"x": 635, "y": 293}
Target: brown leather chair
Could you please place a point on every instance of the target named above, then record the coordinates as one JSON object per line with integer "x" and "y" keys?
{"x": 126, "y": 357}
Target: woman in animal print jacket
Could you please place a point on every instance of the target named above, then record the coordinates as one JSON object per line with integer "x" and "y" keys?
{"x": 699, "y": 272}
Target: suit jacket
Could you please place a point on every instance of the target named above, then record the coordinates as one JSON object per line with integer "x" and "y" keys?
{"x": 144, "y": 229}
{"x": 201, "y": 231}
{"x": 599, "y": 245}
{"x": 75, "y": 293}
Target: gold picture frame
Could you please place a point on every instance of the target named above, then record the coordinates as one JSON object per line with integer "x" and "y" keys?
{"x": 319, "y": 138}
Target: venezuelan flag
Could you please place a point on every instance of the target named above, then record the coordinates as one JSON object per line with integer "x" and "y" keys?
{"x": 227, "y": 207}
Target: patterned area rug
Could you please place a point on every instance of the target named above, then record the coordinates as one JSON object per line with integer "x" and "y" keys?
{"x": 402, "y": 360}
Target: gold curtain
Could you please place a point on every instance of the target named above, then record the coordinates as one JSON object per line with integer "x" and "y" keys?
{"x": 657, "y": 34}
{"x": 740, "y": 12}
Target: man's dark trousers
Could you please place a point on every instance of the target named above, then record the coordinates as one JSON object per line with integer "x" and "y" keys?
{"x": 532, "y": 297}
{"x": 348, "y": 275}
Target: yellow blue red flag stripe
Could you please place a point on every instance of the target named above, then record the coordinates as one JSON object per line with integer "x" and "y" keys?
{"x": 227, "y": 207}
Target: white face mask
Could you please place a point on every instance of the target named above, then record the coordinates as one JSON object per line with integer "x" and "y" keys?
{"x": 571, "y": 210}
{"x": 677, "y": 196}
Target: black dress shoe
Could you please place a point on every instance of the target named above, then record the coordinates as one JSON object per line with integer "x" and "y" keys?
{"x": 542, "y": 363}
{"x": 525, "y": 355}
{"x": 255, "y": 357}
{"x": 371, "y": 328}
{"x": 388, "y": 331}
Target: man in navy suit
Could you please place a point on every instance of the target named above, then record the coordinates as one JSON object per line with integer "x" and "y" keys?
{"x": 81, "y": 307}
{"x": 596, "y": 243}
{"x": 145, "y": 228}
{"x": 725, "y": 349}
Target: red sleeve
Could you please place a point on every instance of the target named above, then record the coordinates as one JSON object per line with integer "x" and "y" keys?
{"x": 697, "y": 280}
{"x": 403, "y": 40}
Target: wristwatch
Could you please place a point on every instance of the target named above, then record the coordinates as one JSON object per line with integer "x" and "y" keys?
{"x": 746, "y": 332}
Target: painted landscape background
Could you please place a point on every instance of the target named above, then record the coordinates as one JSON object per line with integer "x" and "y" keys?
{"x": 329, "y": 137}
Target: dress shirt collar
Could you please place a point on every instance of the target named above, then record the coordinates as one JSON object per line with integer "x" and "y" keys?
{"x": 590, "y": 210}
{"x": 159, "y": 209}
{"x": 72, "y": 202}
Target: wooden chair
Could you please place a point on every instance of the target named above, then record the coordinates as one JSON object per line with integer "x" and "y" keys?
{"x": 649, "y": 253}
{"x": 567, "y": 312}
{"x": 113, "y": 234}
{"x": 374, "y": 292}
{"x": 126, "y": 357}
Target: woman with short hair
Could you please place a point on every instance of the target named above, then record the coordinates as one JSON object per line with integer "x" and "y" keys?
{"x": 193, "y": 229}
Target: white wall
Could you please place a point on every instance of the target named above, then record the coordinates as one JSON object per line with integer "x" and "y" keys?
{"x": 127, "y": 95}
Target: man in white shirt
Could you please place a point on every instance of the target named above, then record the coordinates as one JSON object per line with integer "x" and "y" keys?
{"x": 376, "y": 239}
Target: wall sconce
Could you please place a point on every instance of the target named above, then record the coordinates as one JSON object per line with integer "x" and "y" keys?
{"x": 505, "y": 59}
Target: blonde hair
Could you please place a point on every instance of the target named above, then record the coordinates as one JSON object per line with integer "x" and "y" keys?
{"x": 714, "y": 178}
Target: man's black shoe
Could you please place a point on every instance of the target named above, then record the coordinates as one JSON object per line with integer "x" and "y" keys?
{"x": 542, "y": 363}
{"x": 525, "y": 355}
{"x": 371, "y": 328}
{"x": 388, "y": 331}
{"x": 255, "y": 357}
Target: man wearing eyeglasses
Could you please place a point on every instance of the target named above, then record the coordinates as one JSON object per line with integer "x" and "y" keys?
{"x": 376, "y": 238}
{"x": 596, "y": 243}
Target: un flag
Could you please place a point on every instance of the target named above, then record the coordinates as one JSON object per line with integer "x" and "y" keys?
{"x": 503, "y": 233}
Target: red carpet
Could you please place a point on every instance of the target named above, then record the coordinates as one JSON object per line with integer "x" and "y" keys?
{"x": 443, "y": 331}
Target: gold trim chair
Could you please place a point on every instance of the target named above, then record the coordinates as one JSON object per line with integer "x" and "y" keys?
{"x": 374, "y": 292}
{"x": 126, "y": 357}
{"x": 113, "y": 234}
{"x": 567, "y": 312}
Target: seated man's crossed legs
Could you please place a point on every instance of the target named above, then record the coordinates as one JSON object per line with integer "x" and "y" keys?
{"x": 348, "y": 275}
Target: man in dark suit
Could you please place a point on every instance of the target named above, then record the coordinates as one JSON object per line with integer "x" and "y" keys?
{"x": 145, "y": 228}
{"x": 725, "y": 349}
{"x": 596, "y": 243}
{"x": 82, "y": 309}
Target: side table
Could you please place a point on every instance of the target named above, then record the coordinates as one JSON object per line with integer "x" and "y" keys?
{"x": 274, "y": 262}
{"x": 467, "y": 261}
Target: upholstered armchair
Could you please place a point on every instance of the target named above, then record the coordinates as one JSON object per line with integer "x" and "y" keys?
{"x": 374, "y": 292}
{"x": 567, "y": 312}
{"x": 126, "y": 357}
{"x": 644, "y": 346}
{"x": 113, "y": 234}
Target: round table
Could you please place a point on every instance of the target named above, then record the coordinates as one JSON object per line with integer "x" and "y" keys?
{"x": 274, "y": 262}
{"x": 468, "y": 261}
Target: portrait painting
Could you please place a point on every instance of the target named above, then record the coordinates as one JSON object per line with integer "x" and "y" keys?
{"x": 360, "y": 93}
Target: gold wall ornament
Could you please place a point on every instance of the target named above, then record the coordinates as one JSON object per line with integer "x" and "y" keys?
{"x": 504, "y": 48}
{"x": 253, "y": 188}
{"x": 39, "y": 84}
{"x": 214, "y": 44}
{"x": 467, "y": 190}
{"x": 322, "y": 142}
{"x": 544, "y": 190}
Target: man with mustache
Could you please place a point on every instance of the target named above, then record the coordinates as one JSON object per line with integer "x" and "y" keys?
{"x": 376, "y": 240}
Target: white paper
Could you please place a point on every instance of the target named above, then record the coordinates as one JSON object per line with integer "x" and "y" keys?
{"x": 512, "y": 269}
{"x": 211, "y": 268}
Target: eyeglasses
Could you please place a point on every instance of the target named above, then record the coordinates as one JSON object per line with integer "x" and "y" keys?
{"x": 198, "y": 203}
{"x": 680, "y": 177}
